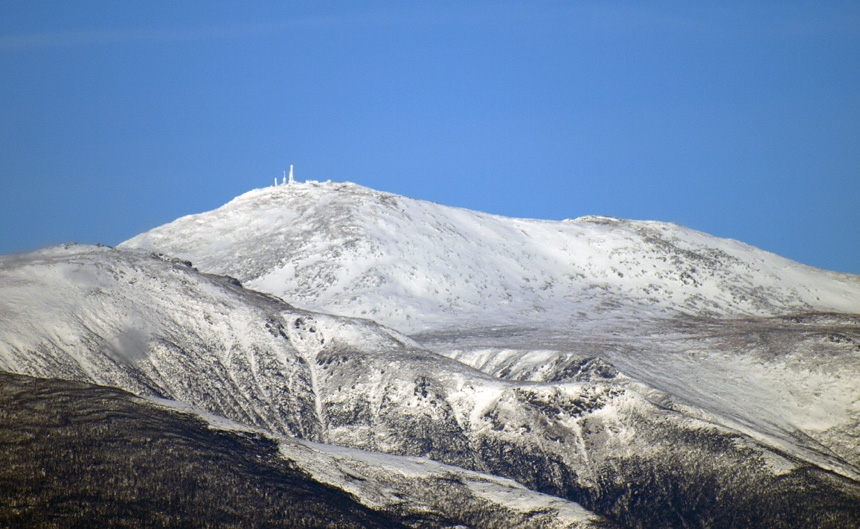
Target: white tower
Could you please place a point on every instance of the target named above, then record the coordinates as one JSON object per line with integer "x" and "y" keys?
{"x": 291, "y": 174}
{"x": 284, "y": 181}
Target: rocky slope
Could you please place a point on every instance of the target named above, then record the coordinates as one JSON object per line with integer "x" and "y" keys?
{"x": 77, "y": 454}
{"x": 787, "y": 381}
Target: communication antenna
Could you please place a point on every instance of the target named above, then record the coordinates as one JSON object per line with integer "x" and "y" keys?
{"x": 291, "y": 174}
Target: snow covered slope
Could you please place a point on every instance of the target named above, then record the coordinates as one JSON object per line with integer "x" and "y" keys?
{"x": 416, "y": 266}
{"x": 154, "y": 327}
{"x": 159, "y": 328}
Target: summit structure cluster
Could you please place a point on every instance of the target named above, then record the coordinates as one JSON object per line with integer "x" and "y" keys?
{"x": 285, "y": 181}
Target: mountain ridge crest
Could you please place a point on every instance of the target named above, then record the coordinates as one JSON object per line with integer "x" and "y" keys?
{"x": 413, "y": 265}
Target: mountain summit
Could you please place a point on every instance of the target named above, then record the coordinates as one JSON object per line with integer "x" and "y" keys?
{"x": 416, "y": 265}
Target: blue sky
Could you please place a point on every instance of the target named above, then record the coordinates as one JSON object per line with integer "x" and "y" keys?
{"x": 740, "y": 119}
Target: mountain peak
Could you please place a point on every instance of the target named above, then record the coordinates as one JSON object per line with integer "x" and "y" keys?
{"x": 414, "y": 265}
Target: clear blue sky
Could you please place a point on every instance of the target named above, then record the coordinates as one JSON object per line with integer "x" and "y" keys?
{"x": 740, "y": 119}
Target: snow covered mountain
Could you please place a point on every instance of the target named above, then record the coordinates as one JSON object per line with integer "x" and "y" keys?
{"x": 418, "y": 266}
{"x": 578, "y": 429}
{"x": 714, "y": 324}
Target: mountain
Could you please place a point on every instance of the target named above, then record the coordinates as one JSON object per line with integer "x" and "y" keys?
{"x": 760, "y": 344}
{"x": 418, "y": 266}
{"x": 575, "y": 427}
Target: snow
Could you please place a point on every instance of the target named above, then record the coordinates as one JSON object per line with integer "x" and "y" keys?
{"x": 352, "y": 465}
{"x": 120, "y": 318}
